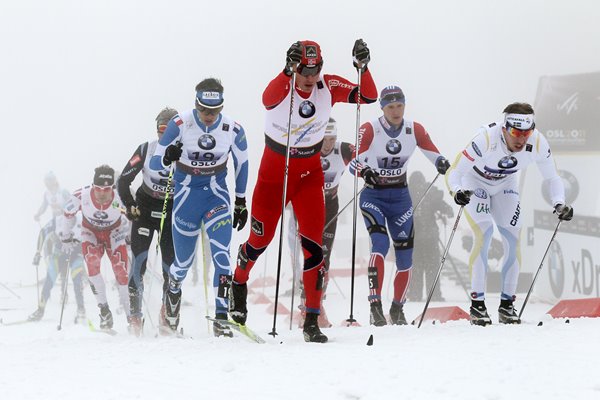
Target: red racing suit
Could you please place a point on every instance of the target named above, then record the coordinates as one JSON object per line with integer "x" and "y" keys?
{"x": 310, "y": 115}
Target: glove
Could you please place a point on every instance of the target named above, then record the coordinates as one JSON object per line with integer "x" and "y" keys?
{"x": 172, "y": 153}
{"x": 36, "y": 258}
{"x": 360, "y": 55}
{"x": 68, "y": 242}
{"x": 442, "y": 165}
{"x": 133, "y": 212}
{"x": 564, "y": 212}
{"x": 462, "y": 197}
{"x": 293, "y": 58}
{"x": 240, "y": 213}
{"x": 370, "y": 176}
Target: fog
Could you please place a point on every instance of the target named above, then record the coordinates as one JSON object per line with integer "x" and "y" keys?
{"x": 82, "y": 81}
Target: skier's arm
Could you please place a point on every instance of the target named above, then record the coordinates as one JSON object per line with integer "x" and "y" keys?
{"x": 365, "y": 138}
{"x": 547, "y": 167}
{"x": 276, "y": 91}
{"x": 465, "y": 161}
{"x": 239, "y": 152}
{"x": 344, "y": 91}
{"x": 170, "y": 136}
{"x": 130, "y": 171}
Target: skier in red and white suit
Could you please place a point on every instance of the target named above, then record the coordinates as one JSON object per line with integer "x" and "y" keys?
{"x": 313, "y": 98}
{"x": 104, "y": 228}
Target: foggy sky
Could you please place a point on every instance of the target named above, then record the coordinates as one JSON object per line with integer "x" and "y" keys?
{"x": 82, "y": 81}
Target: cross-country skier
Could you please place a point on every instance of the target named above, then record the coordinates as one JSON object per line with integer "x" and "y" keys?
{"x": 145, "y": 211}
{"x": 199, "y": 142}
{"x": 484, "y": 180}
{"x": 385, "y": 147}
{"x": 313, "y": 98}
{"x": 56, "y": 258}
{"x": 103, "y": 230}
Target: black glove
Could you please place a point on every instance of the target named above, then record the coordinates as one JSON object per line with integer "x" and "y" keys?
{"x": 240, "y": 213}
{"x": 36, "y": 258}
{"x": 370, "y": 176}
{"x": 564, "y": 212}
{"x": 293, "y": 58}
{"x": 133, "y": 212}
{"x": 462, "y": 197}
{"x": 442, "y": 165}
{"x": 172, "y": 153}
{"x": 360, "y": 54}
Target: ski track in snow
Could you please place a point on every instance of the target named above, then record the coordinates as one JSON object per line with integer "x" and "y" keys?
{"x": 441, "y": 361}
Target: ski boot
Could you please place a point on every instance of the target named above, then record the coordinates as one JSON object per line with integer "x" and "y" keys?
{"x": 106, "y": 318}
{"x": 478, "y": 313}
{"x": 311, "y": 332}
{"x": 37, "y": 315}
{"x": 237, "y": 303}
{"x": 221, "y": 329}
{"x": 136, "y": 325}
{"x": 80, "y": 316}
{"x": 172, "y": 308}
{"x": 397, "y": 314}
{"x": 377, "y": 318}
{"x": 507, "y": 313}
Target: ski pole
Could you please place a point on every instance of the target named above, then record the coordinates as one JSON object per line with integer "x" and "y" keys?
{"x": 164, "y": 210}
{"x": 437, "y": 277}
{"x": 64, "y": 295}
{"x": 12, "y": 292}
{"x": 285, "y": 181}
{"x": 539, "y": 268}
{"x": 294, "y": 272}
{"x": 205, "y": 266}
{"x": 425, "y": 194}
{"x": 351, "y": 319}
{"x": 342, "y": 210}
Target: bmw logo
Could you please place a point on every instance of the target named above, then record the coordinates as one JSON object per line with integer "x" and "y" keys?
{"x": 100, "y": 215}
{"x": 325, "y": 164}
{"x": 164, "y": 173}
{"x": 393, "y": 146}
{"x": 507, "y": 162}
{"x": 307, "y": 109}
{"x": 207, "y": 142}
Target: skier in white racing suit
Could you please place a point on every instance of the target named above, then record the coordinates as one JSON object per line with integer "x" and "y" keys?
{"x": 484, "y": 180}
{"x": 104, "y": 229}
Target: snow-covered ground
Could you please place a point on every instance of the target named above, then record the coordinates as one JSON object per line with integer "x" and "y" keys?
{"x": 438, "y": 361}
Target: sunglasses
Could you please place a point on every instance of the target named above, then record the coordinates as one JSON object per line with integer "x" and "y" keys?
{"x": 102, "y": 189}
{"x": 518, "y": 133}
{"x": 208, "y": 111}
{"x": 309, "y": 71}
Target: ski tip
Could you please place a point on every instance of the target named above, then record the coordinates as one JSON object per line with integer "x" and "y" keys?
{"x": 540, "y": 323}
{"x": 370, "y": 341}
{"x": 567, "y": 321}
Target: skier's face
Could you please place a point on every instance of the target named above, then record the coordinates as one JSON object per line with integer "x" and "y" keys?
{"x": 394, "y": 113}
{"x": 306, "y": 83}
{"x": 208, "y": 116}
{"x": 328, "y": 143}
{"x": 515, "y": 138}
{"x": 102, "y": 194}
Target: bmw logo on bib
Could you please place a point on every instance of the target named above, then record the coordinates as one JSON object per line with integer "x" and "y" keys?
{"x": 100, "y": 215}
{"x": 207, "y": 142}
{"x": 507, "y": 162}
{"x": 393, "y": 146}
{"x": 325, "y": 164}
{"x": 307, "y": 109}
